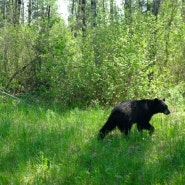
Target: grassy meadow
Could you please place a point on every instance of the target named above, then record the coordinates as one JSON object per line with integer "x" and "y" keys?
{"x": 40, "y": 145}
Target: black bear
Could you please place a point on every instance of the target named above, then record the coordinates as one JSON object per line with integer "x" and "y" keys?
{"x": 125, "y": 114}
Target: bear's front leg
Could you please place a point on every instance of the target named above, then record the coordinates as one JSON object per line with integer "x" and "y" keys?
{"x": 146, "y": 126}
{"x": 151, "y": 129}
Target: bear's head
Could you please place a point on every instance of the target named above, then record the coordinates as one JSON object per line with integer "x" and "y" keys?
{"x": 160, "y": 106}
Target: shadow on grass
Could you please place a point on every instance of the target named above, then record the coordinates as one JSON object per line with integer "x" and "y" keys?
{"x": 138, "y": 160}
{"x": 114, "y": 160}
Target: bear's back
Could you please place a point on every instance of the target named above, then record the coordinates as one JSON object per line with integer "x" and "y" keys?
{"x": 133, "y": 107}
{"x": 125, "y": 106}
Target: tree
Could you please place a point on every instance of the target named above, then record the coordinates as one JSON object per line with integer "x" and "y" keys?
{"x": 156, "y": 6}
{"x": 128, "y": 10}
{"x": 81, "y": 16}
{"x": 93, "y": 12}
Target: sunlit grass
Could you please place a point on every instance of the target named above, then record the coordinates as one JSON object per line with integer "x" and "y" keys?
{"x": 41, "y": 145}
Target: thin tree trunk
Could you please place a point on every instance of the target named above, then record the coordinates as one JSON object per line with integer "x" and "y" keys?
{"x": 4, "y": 9}
{"x": 22, "y": 12}
{"x": 94, "y": 13}
{"x": 156, "y": 6}
{"x": 16, "y": 11}
{"x": 103, "y": 5}
{"x": 83, "y": 15}
{"x": 72, "y": 7}
{"x": 112, "y": 10}
{"x": 29, "y": 11}
{"x": 128, "y": 11}
{"x": 94, "y": 24}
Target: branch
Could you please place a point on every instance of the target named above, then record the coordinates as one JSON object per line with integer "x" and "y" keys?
{"x": 16, "y": 73}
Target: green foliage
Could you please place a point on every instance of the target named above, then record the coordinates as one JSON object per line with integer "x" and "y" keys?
{"x": 50, "y": 146}
{"x": 176, "y": 95}
{"x": 115, "y": 60}
{"x": 111, "y": 67}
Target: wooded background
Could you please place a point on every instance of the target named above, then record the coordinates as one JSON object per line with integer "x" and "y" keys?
{"x": 104, "y": 54}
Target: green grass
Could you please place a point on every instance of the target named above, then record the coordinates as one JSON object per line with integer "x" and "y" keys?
{"x": 53, "y": 146}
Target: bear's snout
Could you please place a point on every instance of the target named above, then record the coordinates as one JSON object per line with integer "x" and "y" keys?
{"x": 167, "y": 112}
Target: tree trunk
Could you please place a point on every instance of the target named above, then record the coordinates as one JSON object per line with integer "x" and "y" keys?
{"x": 94, "y": 13}
{"x": 72, "y": 7}
{"x": 81, "y": 16}
{"x": 29, "y": 11}
{"x": 103, "y": 5}
{"x": 156, "y": 6}
{"x": 128, "y": 11}
{"x": 4, "y": 9}
{"x": 112, "y": 10}
{"x": 22, "y": 12}
{"x": 16, "y": 11}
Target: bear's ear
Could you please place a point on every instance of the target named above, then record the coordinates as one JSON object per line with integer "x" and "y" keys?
{"x": 163, "y": 99}
{"x": 156, "y": 99}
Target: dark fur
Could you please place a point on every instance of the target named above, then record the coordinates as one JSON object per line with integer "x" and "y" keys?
{"x": 129, "y": 112}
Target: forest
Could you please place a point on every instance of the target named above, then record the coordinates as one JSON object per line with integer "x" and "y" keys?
{"x": 59, "y": 80}
{"x": 104, "y": 53}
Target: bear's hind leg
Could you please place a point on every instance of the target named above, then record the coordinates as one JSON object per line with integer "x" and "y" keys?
{"x": 109, "y": 126}
{"x": 123, "y": 124}
{"x": 124, "y": 129}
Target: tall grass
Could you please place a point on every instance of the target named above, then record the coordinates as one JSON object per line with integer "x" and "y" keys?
{"x": 39, "y": 145}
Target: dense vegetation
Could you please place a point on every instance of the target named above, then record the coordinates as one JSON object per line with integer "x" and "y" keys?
{"x": 103, "y": 55}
